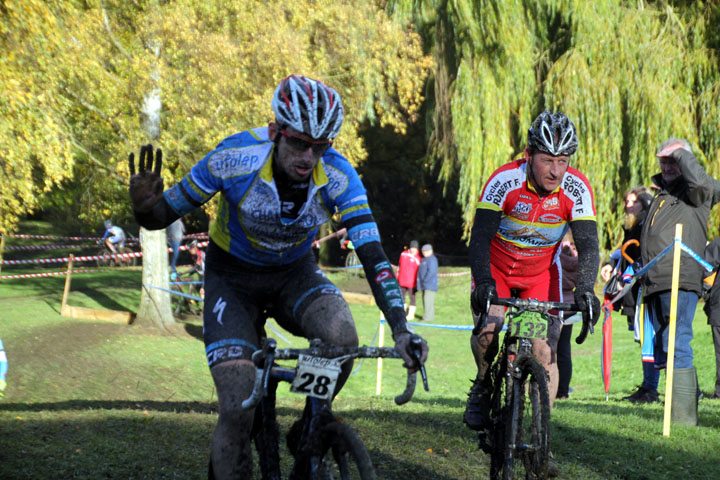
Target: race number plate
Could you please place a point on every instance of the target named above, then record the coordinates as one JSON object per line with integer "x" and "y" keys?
{"x": 316, "y": 377}
{"x": 529, "y": 325}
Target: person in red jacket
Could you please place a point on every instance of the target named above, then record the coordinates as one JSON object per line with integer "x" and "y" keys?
{"x": 407, "y": 276}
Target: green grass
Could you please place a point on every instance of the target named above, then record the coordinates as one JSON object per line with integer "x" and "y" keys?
{"x": 88, "y": 399}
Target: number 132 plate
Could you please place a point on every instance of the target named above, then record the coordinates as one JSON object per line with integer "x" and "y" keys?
{"x": 529, "y": 325}
{"x": 316, "y": 376}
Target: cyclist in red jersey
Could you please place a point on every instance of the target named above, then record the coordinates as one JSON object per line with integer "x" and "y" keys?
{"x": 524, "y": 211}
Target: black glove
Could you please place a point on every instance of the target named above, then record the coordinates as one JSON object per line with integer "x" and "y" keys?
{"x": 146, "y": 188}
{"x": 479, "y": 297}
{"x": 585, "y": 299}
{"x": 411, "y": 351}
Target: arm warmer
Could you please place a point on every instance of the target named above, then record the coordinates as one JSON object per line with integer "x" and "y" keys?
{"x": 384, "y": 285}
{"x": 484, "y": 229}
{"x": 586, "y": 240}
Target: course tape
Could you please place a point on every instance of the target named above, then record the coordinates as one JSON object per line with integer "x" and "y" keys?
{"x": 652, "y": 263}
{"x": 86, "y": 258}
{"x": 174, "y": 292}
{"x": 82, "y": 258}
{"x": 41, "y": 275}
{"x": 454, "y": 274}
{"x": 58, "y": 246}
{"x": 432, "y": 325}
{"x": 50, "y": 237}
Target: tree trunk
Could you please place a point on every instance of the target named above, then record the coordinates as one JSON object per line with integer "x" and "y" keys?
{"x": 155, "y": 309}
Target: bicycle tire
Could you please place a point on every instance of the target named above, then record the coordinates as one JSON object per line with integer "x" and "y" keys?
{"x": 177, "y": 302}
{"x": 126, "y": 262}
{"x": 343, "y": 455}
{"x": 102, "y": 262}
{"x": 495, "y": 445}
{"x": 527, "y": 438}
{"x": 266, "y": 434}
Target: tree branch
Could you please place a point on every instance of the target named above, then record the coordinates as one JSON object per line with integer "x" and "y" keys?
{"x": 114, "y": 41}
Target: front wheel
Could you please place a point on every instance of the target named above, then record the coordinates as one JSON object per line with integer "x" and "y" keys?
{"x": 528, "y": 428}
{"x": 126, "y": 261}
{"x": 343, "y": 455}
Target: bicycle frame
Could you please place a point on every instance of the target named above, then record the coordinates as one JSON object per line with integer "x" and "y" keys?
{"x": 267, "y": 377}
{"x": 514, "y": 366}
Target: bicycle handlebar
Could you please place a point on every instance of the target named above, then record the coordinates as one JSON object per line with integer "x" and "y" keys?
{"x": 540, "y": 306}
{"x": 264, "y": 358}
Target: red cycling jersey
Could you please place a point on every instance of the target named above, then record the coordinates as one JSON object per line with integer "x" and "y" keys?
{"x": 531, "y": 226}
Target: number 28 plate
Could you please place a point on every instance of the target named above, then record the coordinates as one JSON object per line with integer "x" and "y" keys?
{"x": 529, "y": 325}
{"x": 316, "y": 376}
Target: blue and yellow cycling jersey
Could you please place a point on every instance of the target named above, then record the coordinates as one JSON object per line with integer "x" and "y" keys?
{"x": 249, "y": 224}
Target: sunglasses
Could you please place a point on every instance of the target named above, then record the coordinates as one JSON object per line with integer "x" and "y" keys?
{"x": 301, "y": 144}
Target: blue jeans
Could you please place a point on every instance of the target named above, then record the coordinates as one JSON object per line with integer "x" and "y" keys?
{"x": 175, "y": 246}
{"x": 659, "y": 308}
{"x": 651, "y": 377}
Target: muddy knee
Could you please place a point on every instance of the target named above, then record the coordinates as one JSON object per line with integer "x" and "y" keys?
{"x": 328, "y": 318}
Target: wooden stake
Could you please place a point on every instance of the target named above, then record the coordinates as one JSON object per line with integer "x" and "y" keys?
{"x": 66, "y": 292}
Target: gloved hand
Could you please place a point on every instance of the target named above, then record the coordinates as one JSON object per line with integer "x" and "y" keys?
{"x": 146, "y": 187}
{"x": 479, "y": 297}
{"x": 584, "y": 298}
{"x": 404, "y": 347}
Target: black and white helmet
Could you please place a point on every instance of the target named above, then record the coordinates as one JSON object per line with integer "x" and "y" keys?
{"x": 309, "y": 106}
{"x": 552, "y": 133}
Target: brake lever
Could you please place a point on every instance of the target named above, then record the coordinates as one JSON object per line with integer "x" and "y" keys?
{"x": 416, "y": 351}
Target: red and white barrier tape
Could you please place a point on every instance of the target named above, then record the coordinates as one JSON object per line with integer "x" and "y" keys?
{"x": 454, "y": 274}
{"x": 86, "y": 258}
{"x": 49, "y": 237}
{"x": 58, "y": 246}
{"x": 45, "y": 274}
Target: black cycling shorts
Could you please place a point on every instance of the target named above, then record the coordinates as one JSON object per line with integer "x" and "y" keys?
{"x": 239, "y": 297}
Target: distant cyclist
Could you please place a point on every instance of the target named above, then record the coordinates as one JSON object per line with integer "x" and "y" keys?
{"x": 277, "y": 185}
{"x": 198, "y": 256}
{"x": 521, "y": 218}
{"x": 114, "y": 237}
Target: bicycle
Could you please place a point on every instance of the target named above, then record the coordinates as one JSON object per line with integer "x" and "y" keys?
{"x": 107, "y": 258}
{"x": 187, "y": 298}
{"x": 323, "y": 448}
{"x": 519, "y": 444}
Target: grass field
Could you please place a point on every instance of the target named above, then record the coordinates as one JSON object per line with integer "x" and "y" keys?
{"x": 88, "y": 399}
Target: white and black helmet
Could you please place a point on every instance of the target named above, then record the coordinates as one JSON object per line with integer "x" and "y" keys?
{"x": 552, "y": 133}
{"x": 309, "y": 106}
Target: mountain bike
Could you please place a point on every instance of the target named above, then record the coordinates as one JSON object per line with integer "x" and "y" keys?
{"x": 186, "y": 299}
{"x": 519, "y": 442}
{"x": 323, "y": 447}
{"x": 108, "y": 258}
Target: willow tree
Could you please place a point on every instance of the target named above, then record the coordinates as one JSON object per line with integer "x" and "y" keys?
{"x": 36, "y": 152}
{"x": 629, "y": 74}
{"x": 218, "y": 64}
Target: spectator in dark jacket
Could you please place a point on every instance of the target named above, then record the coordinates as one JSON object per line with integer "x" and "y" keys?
{"x": 686, "y": 195}
{"x": 712, "y": 306}
{"x": 427, "y": 281}
{"x": 637, "y": 201}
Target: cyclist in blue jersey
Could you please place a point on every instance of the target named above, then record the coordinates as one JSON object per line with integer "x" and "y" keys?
{"x": 277, "y": 185}
{"x": 114, "y": 237}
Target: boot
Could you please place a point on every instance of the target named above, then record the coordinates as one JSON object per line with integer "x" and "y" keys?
{"x": 685, "y": 399}
{"x": 411, "y": 313}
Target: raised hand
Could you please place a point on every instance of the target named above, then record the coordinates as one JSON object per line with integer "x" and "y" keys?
{"x": 146, "y": 187}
